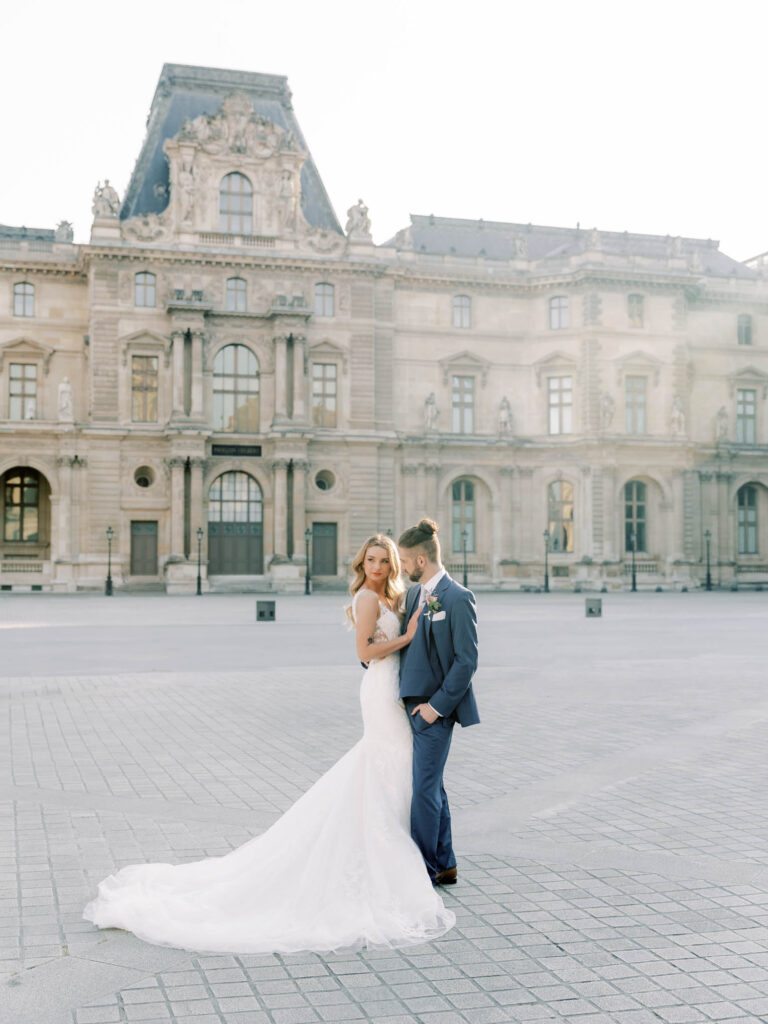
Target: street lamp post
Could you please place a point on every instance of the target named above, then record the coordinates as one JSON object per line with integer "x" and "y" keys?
{"x": 464, "y": 535}
{"x": 199, "y": 558}
{"x": 108, "y": 584}
{"x": 708, "y": 539}
{"x": 307, "y": 578}
{"x": 546, "y": 561}
{"x": 633, "y": 538}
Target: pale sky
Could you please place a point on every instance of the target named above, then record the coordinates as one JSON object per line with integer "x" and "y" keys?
{"x": 642, "y": 116}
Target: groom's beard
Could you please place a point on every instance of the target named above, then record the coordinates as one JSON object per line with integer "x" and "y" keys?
{"x": 416, "y": 575}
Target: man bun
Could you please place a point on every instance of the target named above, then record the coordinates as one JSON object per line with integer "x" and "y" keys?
{"x": 428, "y": 526}
{"x": 423, "y": 536}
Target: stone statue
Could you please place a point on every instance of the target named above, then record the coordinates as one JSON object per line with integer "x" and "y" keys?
{"x": 187, "y": 192}
{"x": 431, "y": 413}
{"x": 607, "y": 408}
{"x": 520, "y": 246}
{"x": 358, "y": 222}
{"x": 593, "y": 240}
{"x": 64, "y": 232}
{"x": 677, "y": 417}
{"x": 106, "y": 202}
{"x": 505, "y": 417}
{"x": 66, "y": 409}
{"x": 721, "y": 424}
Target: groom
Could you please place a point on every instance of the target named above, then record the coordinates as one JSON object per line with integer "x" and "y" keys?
{"x": 436, "y": 671}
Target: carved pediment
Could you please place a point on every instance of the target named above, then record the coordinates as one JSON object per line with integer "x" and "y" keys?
{"x": 147, "y": 340}
{"x": 638, "y": 362}
{"x": 465, "y": 363}
{"x": 749, "y": 377}
{"x": 328, "y": 351}
{"x": 26, "y": 349}
{"x": 555, "y": 363}
{"x": 236, "y": 140}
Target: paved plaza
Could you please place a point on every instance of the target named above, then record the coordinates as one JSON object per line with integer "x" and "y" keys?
{"x": 610, "y": 812}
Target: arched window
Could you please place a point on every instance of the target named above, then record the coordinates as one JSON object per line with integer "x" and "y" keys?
{"x": 235, "y": 498}
{"x": 236, "y": 390}
{"x": 144, "y": 289}
{"x": 560, "y": 505}
{"x": 21, "y": 506}
{"x": 747, "y": 506}
{"x": 462, "y": 308}
{"x": 463, "y": 515}
{"x": 635, "y": 516}
{"x": 236, "y": 205}
{"x": 24, "y": 299}
{"x": 236, "y": 295}
{"x": 558, "y": 312}
{"x": 324, "y": 299}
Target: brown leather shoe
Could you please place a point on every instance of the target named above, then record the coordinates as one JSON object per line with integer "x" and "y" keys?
{"x": 448, "y": 877}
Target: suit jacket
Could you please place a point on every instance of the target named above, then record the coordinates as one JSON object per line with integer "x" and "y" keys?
{"x": 439, "y": 663}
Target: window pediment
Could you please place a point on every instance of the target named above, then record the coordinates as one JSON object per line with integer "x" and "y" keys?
{"x": 328, "y": 350}
{"x": 148, "y": 340}
{"x": 555, "y": 364}
{"x": 749, "y": 377}
{"x": 638, "y": 362}
{"x": 26, "y": 349}
{"x": 465, "y": 363}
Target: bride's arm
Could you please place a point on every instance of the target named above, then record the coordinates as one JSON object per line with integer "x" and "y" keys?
{"x": 366, "y": 613}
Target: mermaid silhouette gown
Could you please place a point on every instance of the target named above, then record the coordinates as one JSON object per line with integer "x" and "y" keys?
{"x": 337, "y": 871}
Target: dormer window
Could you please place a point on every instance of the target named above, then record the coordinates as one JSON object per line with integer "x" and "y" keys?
{"x": 24, "y": 299}
{"x": 236, "y": 295}
{"x": 236, "y": 205}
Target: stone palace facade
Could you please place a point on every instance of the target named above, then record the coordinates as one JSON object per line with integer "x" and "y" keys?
{"x": 223, "y": 369}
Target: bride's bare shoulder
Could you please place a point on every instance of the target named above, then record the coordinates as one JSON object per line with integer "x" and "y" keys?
{"x": 365, "y": 596}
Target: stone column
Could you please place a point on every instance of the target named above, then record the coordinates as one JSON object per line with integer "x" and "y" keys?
{"x": 281, "y": 381}
{"x": 178, "y": 374}
{"x": 421, "y": 492}
{"x": 508, "y": 546}
{"x": 63, "y": 499}
{"x": 723, "y": 549}
{"x": 280, "y": 508}
{"x": 409, "y": 495}
{"x": 529, "y": 550}
{"x": 432, "y": 498}
{"x": 299, "y": 378}
{"x": 176, "y": 465}
{"x": 196, "y": 513}
{"x": 196, "y": 410}
{"x": 300, "y": 469}
{"x": 584, "y": 540}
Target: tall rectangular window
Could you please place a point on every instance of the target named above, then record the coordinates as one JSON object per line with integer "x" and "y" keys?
{"x": 462, "y": 307}
{"x": 324, "y": 394}
{"x": 463, "y": 405}
{"x": 746, "y": 415}
{"x": 747, "y": 505}
{"x": 744, "y": 329}
{"x": 23, "y": 391}
{"x": 635, "y": 310}
{"x": 144, "y": 289}
{"x": 324, "y": 299}
{"x": 560, "y": 395}
{"x": 558, "y": 312}
{"x": 24, "y": 299}
{"x": 634, "y": 404}
{"x": 144, "y": 389}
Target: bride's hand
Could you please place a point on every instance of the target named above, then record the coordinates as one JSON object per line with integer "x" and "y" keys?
{"x": 413, "y": 623}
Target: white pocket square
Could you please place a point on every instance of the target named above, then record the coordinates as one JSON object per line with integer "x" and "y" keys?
{"x": 438, "y": 616}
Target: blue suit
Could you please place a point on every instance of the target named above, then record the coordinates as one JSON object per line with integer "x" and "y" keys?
{"x": 437, "y": 667}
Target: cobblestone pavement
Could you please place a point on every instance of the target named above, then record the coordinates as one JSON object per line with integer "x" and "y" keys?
{"x": 610, "y": 812}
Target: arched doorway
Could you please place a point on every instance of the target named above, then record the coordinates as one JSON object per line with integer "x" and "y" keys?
{"x": 235, "y": 526}
{"x": 25, "y": 540}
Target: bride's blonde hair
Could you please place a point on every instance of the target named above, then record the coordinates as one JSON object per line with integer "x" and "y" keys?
{"x": 394, "y": 588}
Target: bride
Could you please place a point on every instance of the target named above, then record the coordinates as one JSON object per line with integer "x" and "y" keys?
{"x": 339, "y": 869}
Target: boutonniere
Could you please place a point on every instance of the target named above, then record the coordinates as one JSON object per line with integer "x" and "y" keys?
{"x": 433, "y": 605}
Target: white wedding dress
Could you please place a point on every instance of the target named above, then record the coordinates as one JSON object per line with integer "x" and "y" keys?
{"x": 337, "y": 871}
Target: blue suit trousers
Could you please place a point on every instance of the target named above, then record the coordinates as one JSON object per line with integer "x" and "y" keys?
{"x": 430, "y": 816}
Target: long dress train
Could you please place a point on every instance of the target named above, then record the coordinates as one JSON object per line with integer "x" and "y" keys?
{"x": 338, "y": 870}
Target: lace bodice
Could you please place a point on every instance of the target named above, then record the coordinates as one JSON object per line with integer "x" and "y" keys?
{"x": 387, "y": 621}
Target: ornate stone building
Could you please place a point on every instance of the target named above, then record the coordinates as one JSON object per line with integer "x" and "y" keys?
{"x": 224, "y": 362}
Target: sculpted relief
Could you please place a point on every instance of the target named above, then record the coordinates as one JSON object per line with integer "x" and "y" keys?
{"x": 235, "y": 141}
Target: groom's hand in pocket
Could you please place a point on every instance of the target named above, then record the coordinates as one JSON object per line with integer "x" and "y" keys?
{"x": 427, "y": 713}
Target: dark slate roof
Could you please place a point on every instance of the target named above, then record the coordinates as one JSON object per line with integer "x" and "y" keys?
{"x": 185, "y": 91}
{"x": 31, "y": 234}
{"x": 497, "y": 240}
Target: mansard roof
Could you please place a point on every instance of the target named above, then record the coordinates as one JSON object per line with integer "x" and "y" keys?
{"x": 498, "y": 240}
{"x": 28, "y": 234}
{"x": 185, "y": 92}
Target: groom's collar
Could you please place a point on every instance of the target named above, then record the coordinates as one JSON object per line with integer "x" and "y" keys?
{"x": 430, "y": 585}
